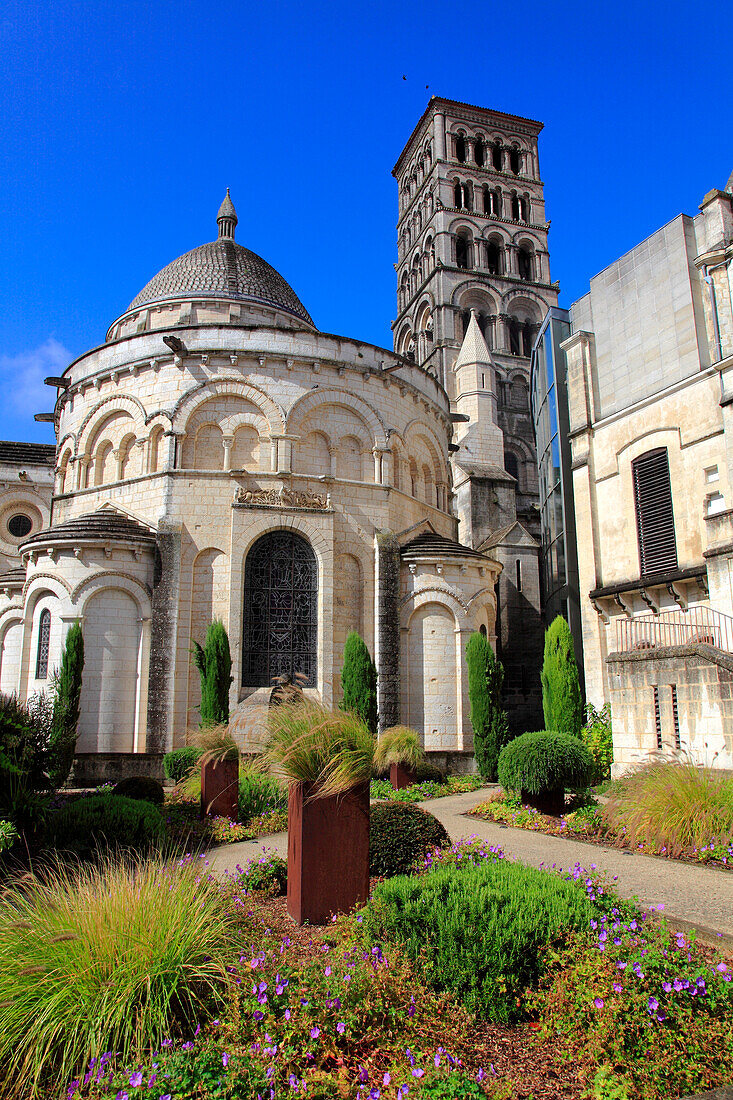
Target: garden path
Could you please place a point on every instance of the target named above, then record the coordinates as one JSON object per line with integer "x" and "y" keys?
{"x": 692, "y": 896}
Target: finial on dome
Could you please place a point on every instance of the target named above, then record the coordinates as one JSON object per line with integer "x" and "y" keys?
{"x": 227, "y": 219}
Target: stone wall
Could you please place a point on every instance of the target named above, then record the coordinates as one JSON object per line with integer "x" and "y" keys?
{"x": 702, "y": 678}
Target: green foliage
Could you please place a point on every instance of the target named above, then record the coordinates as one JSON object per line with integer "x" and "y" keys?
{"x": 488, "y": 718}
{"x": 333, "y": 750}
{"x": 478, "y": 932}
{"x": 597, "y": 738}
{"x": 106, "y": 820}
{"x": 561, "y": 699}
{"x": 258, "y": 795}
{"x": 398, "y": 745}
{"x": 268, "y": 874}
{"x": 178, "y": 763}
{"x": 66, "y": 704}
{"x": 359, "y": 681}
{"x": 8, "y": 835}
{"x": 650, "y": 1013}
{"x": 141, "y": 787}
{"x": 24, "y": 734}
{"x": 106, "y": 957}
{"x": 674, "y": 808}
{"x": 214, "y": 663}
{"x": 544, "y": 762}
{"x": 400, "y": 834}
{"x": 425, "y": 772}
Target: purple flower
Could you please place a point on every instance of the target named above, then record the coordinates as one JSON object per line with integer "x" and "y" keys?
{"x": 225, "y": 1059}
{"x": 136, "y": 1080}
{"x": 122, "y": 1095}
{"x": 374, "y": 1094}
{"x": 617, "y": 987}
{"x": 418, "y": 1072}
{"x": 386, "y": 1080}
{"x": 722, "y": 968}
{"x": 327, "y": 971}
{"x": 315, "y": 1032}
{"x": 363, "y": 1075}
{"x": 653, "y": 1004}
{"x": 341, "y": 1027}
{"x": 598, "y": 1002}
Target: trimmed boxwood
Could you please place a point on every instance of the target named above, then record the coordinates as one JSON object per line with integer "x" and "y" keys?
{"x": 178, "y": 763}
{"x": 399, "y": 834}
{"x": 141, "y": 787}
{"x": 542, "y": 765}
{"x": 106, "y": 820}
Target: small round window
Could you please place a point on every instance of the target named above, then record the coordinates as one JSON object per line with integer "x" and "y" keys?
{"x": 19, "y": 525}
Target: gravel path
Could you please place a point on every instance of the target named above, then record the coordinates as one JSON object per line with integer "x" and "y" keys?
{"x": 692, "y": 896}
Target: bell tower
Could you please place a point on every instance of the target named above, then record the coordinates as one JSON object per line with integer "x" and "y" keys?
{"x": 473, "y": 286}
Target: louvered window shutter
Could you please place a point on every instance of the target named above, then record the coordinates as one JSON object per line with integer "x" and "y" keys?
{"x": 654, "y": 514}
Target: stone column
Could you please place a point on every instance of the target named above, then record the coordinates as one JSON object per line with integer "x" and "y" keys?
{"x": 387, "y": 647}
{"x": 141, "y": 691}
{"x": 171, "y": 457}
{"x": 163, "y": 637}
{"x": 84, "y": 462}
{"x": 503, "y": 332}
{"x": 439, "y": 135}
{"x": 227, "y": 441}
{"x": 387, "y": 477}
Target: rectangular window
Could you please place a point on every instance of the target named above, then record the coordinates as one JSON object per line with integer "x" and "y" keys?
{"x": 654, "y": 514}
{"x": 711, "y": 474}
{"x": 675, "y": 718}
{"x": 657, "y": 717}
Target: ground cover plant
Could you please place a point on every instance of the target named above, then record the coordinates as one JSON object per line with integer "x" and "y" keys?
{"x": 422, "y": 791}
{"x": 668, "y": 809}
{"x": 330, "y": 1014}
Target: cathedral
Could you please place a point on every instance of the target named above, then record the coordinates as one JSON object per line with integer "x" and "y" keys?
{"x": 220, "y": 457}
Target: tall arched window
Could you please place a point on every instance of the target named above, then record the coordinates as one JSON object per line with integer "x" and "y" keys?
{"x": 478, "y": 152}
{"x": 515, "y": 161}
{"x": 493, "y": 258}
{"x": 461, "y": 148}
{"x": 44, "y": 639}
{"x": 280, "y": 636}
{"x": 524, "y": 262}
{"x": 496, "y": 155}
{"x": 511, "y": 465}
{"x": 461, "y": 251}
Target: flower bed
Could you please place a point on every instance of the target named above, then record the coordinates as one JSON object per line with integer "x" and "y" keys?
{"x": 185, "y": 826}
{"x": 587, "y": 823}
{"x": 421, "y": 792}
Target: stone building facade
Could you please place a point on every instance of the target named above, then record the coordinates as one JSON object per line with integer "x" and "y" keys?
{"x": 473, "y": 264}
{"x": 650, "y": 394}
{"x": 218, "y": 456}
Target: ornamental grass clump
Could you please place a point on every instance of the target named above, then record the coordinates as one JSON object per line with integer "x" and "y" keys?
{"x": 333, "y": 751}
{"x": 398, "y": 745}
{"x": 108, "y": 957}
{"x": 481, "y": 932}
{"x": 675, "y": 808}
{"x": 542, "y": 765}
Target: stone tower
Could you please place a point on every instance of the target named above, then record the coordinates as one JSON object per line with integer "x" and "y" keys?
{"x": 473, "y": 285}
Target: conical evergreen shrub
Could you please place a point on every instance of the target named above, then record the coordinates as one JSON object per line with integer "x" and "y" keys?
{"x": 562, "y": 702}
{"x": 488, "y": 717}
{"x": 67, "y": 696}
{"x": 359, "y": 681}
{"x": 214, "y": 662}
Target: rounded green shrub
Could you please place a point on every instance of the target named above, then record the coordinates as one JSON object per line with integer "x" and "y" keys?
{"x": 399, "y": 834}
{"x": 142, "y": 788}
{"x": 425, "y": 772}
{"x": 542, "y": 765}
{"x": 178, "y": 763}
{"x": 106, "y": 820}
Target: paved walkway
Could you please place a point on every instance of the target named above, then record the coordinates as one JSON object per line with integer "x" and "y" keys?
{"x": 693, "y": 896}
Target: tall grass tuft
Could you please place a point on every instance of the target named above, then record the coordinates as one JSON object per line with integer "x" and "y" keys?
{"x": 334, "y": 750}
{"x": 109, "y": 957}
{"x": 398, "y": 745}
{"x": 677, "y": 806}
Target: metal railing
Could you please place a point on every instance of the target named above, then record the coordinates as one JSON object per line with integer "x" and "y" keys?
{"x": 669, "y": 628}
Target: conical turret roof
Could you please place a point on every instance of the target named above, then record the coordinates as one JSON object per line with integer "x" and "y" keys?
{"x": 474, "y": 348}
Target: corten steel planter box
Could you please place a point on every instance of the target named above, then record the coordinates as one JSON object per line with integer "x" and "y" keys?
{"x": 328, "y": 853}
{"x": 401, "y": 776}
{"x": 220, "y": 788}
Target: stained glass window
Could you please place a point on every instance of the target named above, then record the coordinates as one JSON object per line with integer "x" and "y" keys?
{"x": 280, "y": 610}
{"x": 44, "y": 637}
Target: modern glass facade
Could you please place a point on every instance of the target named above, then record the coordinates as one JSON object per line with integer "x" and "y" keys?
{"x": 558, "y": 555}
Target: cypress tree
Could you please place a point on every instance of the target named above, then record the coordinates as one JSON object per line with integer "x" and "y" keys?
{"x": 214, "y": 663}
{"x": 359, "y": 681}
{"x": 562, "y": 702}
{"x": 488, "y": 717}
{"x": 65, "y": 717}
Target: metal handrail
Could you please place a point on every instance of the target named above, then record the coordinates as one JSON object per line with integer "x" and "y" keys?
{"x": 673, "y": 628}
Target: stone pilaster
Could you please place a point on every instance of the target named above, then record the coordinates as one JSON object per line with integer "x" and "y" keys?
{"x": 388, "y": 629}
{"x": 163, "y": 631}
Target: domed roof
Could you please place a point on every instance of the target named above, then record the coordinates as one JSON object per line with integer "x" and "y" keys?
{"x": 222, "y": 269}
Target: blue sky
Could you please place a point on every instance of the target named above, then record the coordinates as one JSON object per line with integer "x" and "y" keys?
{"x": 121, "y": 125}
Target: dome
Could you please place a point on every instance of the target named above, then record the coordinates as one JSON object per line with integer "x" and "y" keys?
{"x": 222, "y": 269}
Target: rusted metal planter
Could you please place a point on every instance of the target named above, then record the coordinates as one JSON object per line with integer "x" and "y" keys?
{"x": 328, "y": 853}
{"x": 220, "y": 788}
{"x": 401, "y": 776}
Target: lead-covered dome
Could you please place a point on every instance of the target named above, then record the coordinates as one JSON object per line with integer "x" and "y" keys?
{"x": 224, "y": 270}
